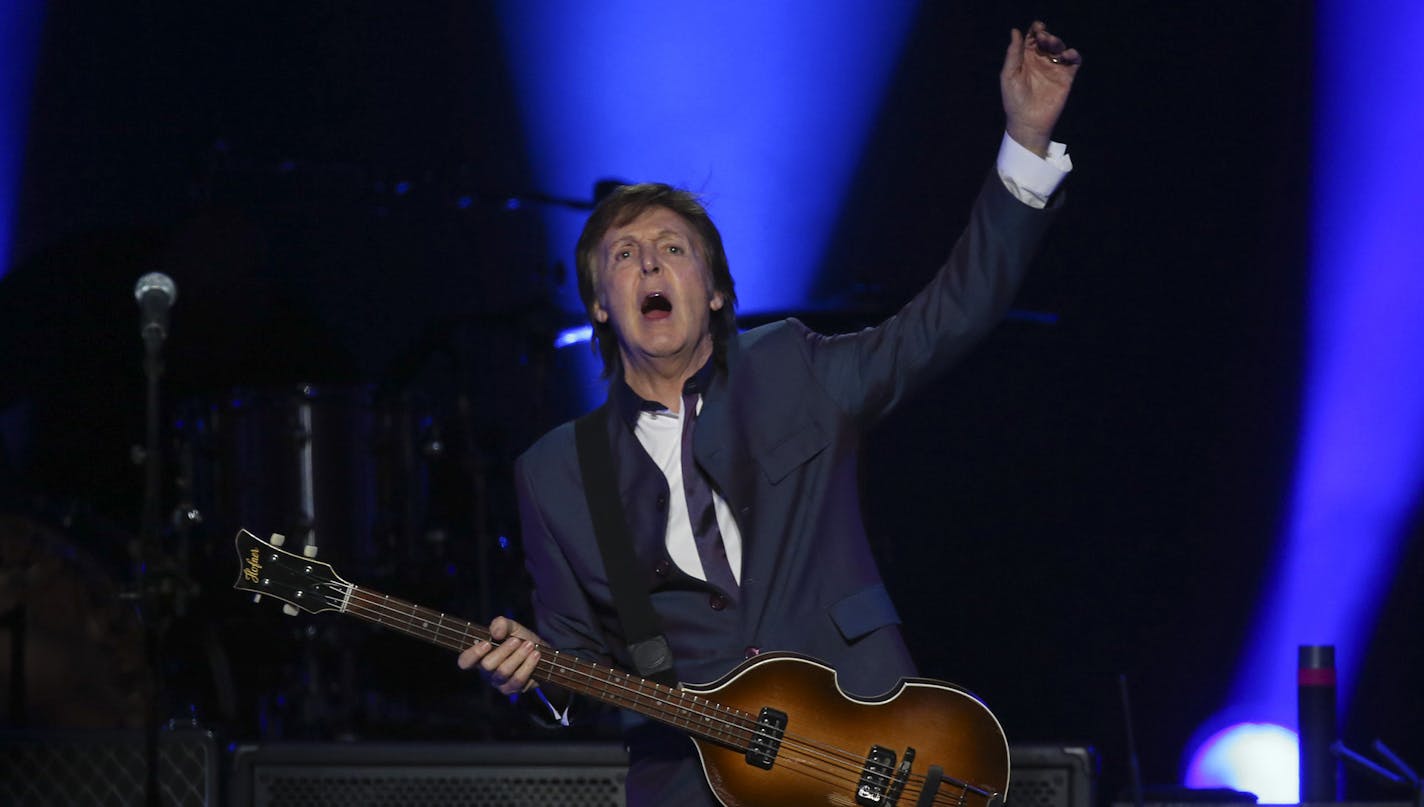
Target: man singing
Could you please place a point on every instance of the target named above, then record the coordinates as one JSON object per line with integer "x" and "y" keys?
{"x": 735, "y": 454}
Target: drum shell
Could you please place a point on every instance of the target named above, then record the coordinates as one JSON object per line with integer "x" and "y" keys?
{"x": 307, "y": 462}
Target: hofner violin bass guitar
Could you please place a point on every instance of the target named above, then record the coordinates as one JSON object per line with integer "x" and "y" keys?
{"x": 775, "y": 731}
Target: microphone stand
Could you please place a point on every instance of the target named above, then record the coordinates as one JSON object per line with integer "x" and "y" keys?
{"x": 154, "y": 620}
{"x": 162, "y": 586}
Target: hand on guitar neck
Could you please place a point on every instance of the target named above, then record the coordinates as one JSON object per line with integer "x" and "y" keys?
{"x": 509, "y": 660}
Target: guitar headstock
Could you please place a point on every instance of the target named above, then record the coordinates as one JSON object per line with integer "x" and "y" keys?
{"x": 302, "y": 582}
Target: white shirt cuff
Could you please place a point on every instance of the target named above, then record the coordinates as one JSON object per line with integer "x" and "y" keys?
{"x": 1029, "y": 177}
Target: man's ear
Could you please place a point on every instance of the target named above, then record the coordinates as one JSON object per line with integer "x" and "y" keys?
{"x": 598, "y": 312}
{"x": 716, "y": 302}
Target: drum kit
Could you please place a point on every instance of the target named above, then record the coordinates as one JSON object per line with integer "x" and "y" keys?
{"x": 392, "y": 485}
{"x": 398, "y": 485}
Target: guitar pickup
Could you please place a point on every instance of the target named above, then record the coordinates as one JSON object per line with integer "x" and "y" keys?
{"x": 766, "y": 739}
{"x": 875, "y": 777}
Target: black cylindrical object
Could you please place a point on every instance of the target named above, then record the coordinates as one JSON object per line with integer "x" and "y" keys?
{"x": 1315, "y": 687}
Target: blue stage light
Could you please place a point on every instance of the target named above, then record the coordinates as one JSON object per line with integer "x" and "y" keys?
{"x": 762, "y": 108}
{"x": 573, "y": 336}
{"x": 1257, "y": 758}
{"x": 20, "y": 27}
{"x": 1361, "y": 460}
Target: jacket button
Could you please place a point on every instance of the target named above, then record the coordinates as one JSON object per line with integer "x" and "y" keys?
{"x": 753, "y": 651}
{"x": 717, "y": 601}
{"x": 662, "y": 501}
{"x": 664, "y": 566}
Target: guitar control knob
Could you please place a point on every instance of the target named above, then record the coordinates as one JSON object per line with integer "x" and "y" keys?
{"x": 309, "y": 550}
{"x": 290, "y": 610}
{"x": 278, "y": 539}
{"x": 257, "y": 598}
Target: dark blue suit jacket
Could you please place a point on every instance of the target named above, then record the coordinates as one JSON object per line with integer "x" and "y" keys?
{"x": 778, "y": 435}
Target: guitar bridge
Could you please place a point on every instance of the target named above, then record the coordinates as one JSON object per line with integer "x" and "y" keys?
{"x": 766, "y": 739}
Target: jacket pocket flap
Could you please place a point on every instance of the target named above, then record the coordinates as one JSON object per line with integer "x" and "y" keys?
{"x": 864, "y": 611}
{"x": 788, "y": 454}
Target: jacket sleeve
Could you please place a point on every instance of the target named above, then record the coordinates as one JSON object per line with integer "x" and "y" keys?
{"x": 870, "y": 372}
{"x": 562, "y": 615}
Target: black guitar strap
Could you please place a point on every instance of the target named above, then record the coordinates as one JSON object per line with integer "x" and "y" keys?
{"x": 651, "y": 653}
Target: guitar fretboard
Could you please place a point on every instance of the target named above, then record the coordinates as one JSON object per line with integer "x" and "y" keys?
{"x": 676, "y": 707}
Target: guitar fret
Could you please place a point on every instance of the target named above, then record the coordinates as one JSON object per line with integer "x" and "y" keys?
{"x": 692, "y": 717}
{"x": 626, "y": 685}
{"x": 642, "y": 692}
{"x": 675, "y": 703}
{"x": 709, "y": 725}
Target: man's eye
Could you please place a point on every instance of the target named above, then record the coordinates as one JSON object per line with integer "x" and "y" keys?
{"x": 675, "y": 249}
{"x": 624, "y": 254}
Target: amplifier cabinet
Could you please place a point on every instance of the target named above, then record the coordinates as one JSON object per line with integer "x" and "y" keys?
{"x": 1051, "y": 776}
{"x": 429, "y": 775}
{"x": 88, "y": 767}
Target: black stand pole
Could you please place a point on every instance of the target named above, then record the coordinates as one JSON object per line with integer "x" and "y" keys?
{"x": 150, "y": 536}
{"x": 1319, "y": 771}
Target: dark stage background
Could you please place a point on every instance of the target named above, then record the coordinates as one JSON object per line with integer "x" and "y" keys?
{"x": 1097, "y": 495}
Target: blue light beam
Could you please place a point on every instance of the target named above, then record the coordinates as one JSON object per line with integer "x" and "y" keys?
{"x": 20, "y": 26}
{"x": 1362, "y": 445}
{"x": 762, "y": 108}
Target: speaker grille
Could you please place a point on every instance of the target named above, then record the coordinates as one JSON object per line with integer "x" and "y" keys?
{"x": 1051, "y": 776}
{"x": 527, "y": 775}
{"x": 93, "y": 767}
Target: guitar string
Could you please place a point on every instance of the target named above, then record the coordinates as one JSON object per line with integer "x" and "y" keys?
{"x": 848, "y": 762}
{"x": 669, "y": 710}
{"x": 740, "y": 720}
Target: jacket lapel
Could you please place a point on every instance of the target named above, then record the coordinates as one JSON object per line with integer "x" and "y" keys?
{"x": 734, "y": 474}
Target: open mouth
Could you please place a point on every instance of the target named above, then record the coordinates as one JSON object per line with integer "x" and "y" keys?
{"x": 656, "y": 306}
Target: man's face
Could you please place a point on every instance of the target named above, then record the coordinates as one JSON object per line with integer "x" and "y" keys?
{"x": 654, "y": 288}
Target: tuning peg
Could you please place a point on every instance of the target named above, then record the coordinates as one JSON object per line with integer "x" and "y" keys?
{"x": 290, "y": 610}
{"x": 309, "y": 550}
{"x": 278, "y": 539}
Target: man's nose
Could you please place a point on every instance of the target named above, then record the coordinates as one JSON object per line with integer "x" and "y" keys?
{"x": 650, "y": 263}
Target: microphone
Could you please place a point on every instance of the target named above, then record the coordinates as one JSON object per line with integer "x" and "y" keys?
{"x": 155, "y": 294}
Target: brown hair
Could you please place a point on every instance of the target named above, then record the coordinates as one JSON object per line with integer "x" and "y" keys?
{"x": 623, "y": 205}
